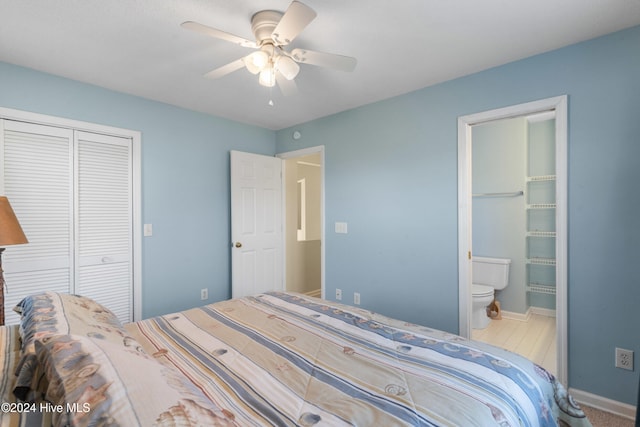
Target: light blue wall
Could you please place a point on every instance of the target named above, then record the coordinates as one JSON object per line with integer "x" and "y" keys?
{"x": 391, "y": 173}
{"x": 185, "y": 179}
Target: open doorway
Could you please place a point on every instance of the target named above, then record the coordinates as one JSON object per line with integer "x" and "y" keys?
{"x": 303, "y": 177}
{"x": 513, "y": 204}
{"x": 541, "y": 241}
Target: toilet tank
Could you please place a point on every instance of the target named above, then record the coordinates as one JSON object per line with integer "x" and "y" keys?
{"x": 491, "y": 271}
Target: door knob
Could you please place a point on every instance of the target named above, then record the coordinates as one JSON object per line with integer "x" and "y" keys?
{"x": 238, "y": 245}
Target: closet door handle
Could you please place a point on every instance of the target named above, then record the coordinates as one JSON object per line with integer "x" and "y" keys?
{"x": 238, "y": 245}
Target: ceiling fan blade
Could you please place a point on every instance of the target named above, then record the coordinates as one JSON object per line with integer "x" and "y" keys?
{"x": 329, "y": 60}
{"x": 225, "y": 69}
{"x": 287, "y": 87}
{"x": 294, "y": 20}
{"x": 219, "y": 34}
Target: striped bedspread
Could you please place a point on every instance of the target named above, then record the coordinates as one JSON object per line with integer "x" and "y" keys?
{"x": 286, "y": 359}
{"x": 12, "y": 412}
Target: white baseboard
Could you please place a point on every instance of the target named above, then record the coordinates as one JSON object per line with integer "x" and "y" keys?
{"x": 523, "y": 317}
{"x": 618, "y": 408}
{"x": 543, "y": 311}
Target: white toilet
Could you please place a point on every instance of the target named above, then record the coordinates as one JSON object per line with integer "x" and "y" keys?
{"x": 488, "y": 275}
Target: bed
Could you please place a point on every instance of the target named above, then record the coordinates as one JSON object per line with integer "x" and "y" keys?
{"x": 278, "y": 359}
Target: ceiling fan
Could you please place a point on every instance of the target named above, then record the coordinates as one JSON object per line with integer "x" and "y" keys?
{"x": 273, "y": 31}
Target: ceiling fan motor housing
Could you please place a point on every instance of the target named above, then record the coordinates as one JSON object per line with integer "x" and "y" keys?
{"x": 263, "y": 23}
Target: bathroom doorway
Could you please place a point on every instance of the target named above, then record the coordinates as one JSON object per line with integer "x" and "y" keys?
{"x": 303, "y": 180}
{"x": 513, "y": 160}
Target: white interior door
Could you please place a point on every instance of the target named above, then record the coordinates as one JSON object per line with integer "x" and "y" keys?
{"x": 256, "y": 224}
{"x": 104, "y": 221}
{"x": 36, "y": 174}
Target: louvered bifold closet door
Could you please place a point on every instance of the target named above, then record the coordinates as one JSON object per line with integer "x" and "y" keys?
{"x": 104, "y": 221}
{"x": 37, "y": 180}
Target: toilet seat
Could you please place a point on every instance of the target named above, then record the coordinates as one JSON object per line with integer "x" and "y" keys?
{"x": 478, "y": 290}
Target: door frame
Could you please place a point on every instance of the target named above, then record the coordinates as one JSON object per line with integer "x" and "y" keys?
{"x": 299, "y": 153}
{"x": 465, "y": 123}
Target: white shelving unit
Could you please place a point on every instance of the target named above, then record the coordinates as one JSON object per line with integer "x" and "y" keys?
{"x": 541, "y": 234}
{"x": 541, "y": 215}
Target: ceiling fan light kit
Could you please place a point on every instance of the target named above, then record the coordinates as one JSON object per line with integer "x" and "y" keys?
{"x": 272, "y": 31}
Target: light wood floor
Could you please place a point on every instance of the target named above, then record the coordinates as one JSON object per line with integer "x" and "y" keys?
{"x": 534, "y": 339}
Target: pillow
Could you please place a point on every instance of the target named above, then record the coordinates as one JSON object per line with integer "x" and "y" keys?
{"x": 50, "y": 313}
{"x": 97, "y": 382}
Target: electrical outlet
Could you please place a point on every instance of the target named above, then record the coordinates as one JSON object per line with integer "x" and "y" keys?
{"x": 338, "y": 294}
{"x": 624, "y": 359}
{"x": 204, "y": 294}
{"x": 356, "y": 298}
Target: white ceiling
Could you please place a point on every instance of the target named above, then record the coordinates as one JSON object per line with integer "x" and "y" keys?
{"x": 138, "y": 46}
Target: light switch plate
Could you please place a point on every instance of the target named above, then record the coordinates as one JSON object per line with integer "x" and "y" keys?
{"x": 341, "y": 227}
{"x": 148, "y": 230}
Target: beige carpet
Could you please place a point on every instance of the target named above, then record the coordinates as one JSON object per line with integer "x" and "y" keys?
{"x": 600, "y": 418}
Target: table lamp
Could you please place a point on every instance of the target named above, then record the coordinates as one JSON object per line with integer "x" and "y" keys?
{"x": 10, "y": 234}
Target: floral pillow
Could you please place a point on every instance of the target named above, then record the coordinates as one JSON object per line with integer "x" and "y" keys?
{"x": 50, "y": 313}
{"x": 97, "y": 382}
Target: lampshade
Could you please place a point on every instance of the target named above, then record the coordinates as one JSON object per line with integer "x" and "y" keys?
{"x": 287, "y": 66}
{"x": 256, "y": 61}
{"x": 267, "y": 77}
{"x": 10, "y": 231}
